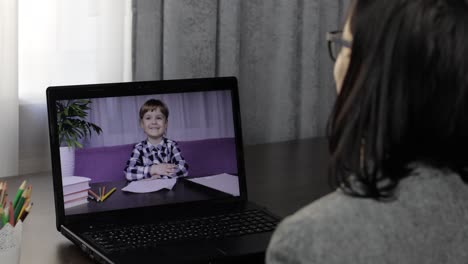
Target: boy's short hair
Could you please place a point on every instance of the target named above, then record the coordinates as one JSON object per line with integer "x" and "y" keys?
{"x": 152, "y": 105}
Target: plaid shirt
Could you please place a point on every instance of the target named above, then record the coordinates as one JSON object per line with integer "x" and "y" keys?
{"x": 144, "y": 155}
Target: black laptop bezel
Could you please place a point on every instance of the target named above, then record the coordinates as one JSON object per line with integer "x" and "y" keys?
{"x": 56, "y": 93}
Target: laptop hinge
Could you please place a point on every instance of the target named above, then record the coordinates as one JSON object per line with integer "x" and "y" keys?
{"x": 84, "y": 246}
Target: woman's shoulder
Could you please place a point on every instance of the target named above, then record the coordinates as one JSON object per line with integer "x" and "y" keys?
{"x": 424, "y": 185}
{"x": 313, "y": 230}
{"x": 330, "y": 210}
{"x": 339, "y": 228}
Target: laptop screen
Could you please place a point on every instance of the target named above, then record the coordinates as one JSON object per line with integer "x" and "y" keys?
{"x": 120, "y": 152}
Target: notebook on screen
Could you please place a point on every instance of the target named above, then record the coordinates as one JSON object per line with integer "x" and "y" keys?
{"x": 154, "y": 171}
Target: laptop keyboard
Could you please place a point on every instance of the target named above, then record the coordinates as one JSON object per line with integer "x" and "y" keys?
{"x": 209, "y": 227}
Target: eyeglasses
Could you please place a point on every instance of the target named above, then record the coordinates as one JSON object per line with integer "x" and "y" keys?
{"x": 336, "y": 43}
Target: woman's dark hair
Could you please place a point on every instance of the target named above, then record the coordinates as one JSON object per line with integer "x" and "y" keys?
{"x": 404, "y": 98}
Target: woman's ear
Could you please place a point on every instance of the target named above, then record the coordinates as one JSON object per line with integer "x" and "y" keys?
{"x": 342, "y": 61}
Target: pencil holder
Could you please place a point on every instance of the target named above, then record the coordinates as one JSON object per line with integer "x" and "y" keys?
{"x": 10, "y": 243}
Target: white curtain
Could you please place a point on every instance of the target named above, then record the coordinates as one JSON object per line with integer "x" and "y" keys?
{"x": 9, "y": 87}
{"x": 192, "y": 116}
{"x": 65, "y": 42}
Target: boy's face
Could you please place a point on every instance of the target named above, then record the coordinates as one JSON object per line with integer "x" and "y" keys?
{"x": 154, "y": 123}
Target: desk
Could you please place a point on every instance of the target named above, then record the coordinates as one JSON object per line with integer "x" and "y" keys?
{"x": 183, "y": 191}
{"x": 281, "y": 176}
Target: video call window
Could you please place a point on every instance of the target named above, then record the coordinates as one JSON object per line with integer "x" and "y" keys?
{"x": 134, "y": 151}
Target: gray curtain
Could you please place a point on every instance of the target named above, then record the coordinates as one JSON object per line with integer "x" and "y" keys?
{"x": 276, "y": 48}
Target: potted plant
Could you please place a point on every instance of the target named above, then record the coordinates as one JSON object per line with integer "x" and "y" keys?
{"x": 73, "y": 128}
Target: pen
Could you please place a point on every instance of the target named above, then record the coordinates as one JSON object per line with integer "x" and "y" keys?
{"x": 108, "y": 194}
{"x": 19, "y": 193}
{"x": 26, "y": 212}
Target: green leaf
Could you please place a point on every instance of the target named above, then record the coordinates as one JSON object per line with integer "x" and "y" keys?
{"x": 72, "y": 123}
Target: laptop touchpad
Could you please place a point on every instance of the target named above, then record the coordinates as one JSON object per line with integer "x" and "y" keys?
{"x": 191, "y": 250}
{"x": 179, "y": 252}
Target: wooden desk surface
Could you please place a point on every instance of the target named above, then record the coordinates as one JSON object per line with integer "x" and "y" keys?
{"x": 281, "y": 176}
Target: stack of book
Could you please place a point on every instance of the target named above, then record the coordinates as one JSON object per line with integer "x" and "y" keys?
{"x": 75, "y": 190}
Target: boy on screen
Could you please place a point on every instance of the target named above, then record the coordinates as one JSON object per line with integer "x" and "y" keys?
{"x": 157, "y": 156}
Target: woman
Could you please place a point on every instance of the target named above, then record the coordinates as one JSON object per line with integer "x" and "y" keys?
{"x": 398, "y": 140}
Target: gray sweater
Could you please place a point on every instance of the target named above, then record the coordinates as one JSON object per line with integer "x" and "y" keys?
{"x": 427, "y": 223}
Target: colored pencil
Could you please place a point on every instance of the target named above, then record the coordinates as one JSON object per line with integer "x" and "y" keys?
{"x": 26, "y": 212}
{"x": 19, "y": 193}
{"x": 21, "y": 201}
{"x": 16, "y": 209}
{"x": 11, "y": 215}
{"x": 26, "y": 204}
{"x": 3, "y": 194}
{"x": 5, "y": 200}
{"x": 108, "y": 194}
{"x": 30, "y": 191}
{"x": 1, "y": 217}
{"x": 5, "y": 215}
{"x": 95, "y": 195}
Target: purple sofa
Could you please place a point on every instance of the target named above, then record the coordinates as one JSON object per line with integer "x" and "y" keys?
{"x": 204, "y": 157}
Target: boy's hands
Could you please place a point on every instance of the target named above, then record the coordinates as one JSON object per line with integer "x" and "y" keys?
{"x": 163, "y": 169}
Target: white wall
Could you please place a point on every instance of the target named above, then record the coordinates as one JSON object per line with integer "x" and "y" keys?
{"x": 8, "y": 88}
{"x": 65, "y": 42}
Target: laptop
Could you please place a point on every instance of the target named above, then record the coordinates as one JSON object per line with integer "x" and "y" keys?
{"x": 154, "y": 172}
